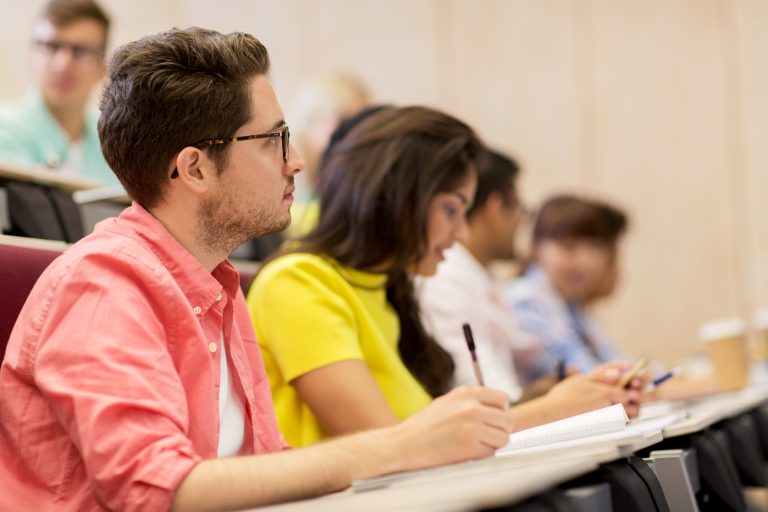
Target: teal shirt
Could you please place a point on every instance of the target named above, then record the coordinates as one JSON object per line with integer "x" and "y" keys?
{"x": 29, "y": 135}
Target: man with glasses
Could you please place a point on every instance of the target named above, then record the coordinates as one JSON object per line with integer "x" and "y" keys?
{"x": 133, "y": 379}
{"x": 52, "y": 125}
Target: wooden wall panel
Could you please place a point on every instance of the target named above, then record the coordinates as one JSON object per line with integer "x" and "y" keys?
{"x": 663, "y": 152}
{"x": 750, "y": 19}
{"x": 515, "y": 77}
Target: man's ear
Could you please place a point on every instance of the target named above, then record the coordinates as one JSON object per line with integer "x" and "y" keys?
{"x": 493, "y": 208}
{"x": 195, "y": 170}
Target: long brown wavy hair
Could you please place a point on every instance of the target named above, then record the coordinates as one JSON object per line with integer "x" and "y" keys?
{"x": 374, "y": 192}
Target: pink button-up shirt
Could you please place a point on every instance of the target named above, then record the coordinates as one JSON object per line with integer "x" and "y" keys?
{"x": 109, "y": 389}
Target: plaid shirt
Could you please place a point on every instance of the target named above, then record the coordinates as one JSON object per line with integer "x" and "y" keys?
{"x": 555, "y": 329}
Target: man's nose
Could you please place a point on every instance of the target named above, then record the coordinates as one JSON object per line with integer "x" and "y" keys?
{"x": 63, "y": 58}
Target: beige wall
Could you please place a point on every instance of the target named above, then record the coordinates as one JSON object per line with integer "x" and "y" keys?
{"x": 660, "y": 105}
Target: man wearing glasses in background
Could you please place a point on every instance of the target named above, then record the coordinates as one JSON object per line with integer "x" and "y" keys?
{"x": 51, "y": 125}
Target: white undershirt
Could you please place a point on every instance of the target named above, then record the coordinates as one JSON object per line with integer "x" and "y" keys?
{"x": 231, "y": 412}
{"x": 74, "y": 163}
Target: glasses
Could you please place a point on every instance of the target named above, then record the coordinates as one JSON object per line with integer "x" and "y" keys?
{"x": 79, "y": 52}
{"x": 284, "y": 134}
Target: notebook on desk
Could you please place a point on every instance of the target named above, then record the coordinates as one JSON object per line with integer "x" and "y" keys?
{"x": 608, "y": 428}
{"x": 594, "y": 423}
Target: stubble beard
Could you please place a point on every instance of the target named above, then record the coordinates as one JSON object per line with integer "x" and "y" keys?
{"x": 222, "y": 226}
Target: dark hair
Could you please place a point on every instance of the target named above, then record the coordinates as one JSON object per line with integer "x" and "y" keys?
{"x": 168, "y": 91}
{"x": 65, "y": 12}
{"x": 374, "y": 194}
{"x": 567, "y": 216}
{"x": 345, "y": 126}
{"x": 496, "y": 176}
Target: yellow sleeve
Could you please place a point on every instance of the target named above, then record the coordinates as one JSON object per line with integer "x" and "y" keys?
{"x": 302, "y": 315}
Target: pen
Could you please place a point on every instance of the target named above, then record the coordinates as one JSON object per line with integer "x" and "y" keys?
{"x": 672, "y": 373}
{"x": 471, "y": 346}
{"x": 630, "y": 374}
{"x": 560, "y": 368}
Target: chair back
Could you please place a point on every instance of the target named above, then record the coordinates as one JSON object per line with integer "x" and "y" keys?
{"x": 20, "y": 267}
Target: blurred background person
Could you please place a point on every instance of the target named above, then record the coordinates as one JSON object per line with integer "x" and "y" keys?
{"x": 321, "y": 104}
{"x": 575, "y": 252}
{"x": 52, "y": 125}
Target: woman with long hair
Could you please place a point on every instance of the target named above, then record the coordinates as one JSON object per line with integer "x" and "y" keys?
{"x": 336, "y": 314}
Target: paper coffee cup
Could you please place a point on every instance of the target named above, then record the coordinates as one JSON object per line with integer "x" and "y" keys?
{"x": 726, "y": 344}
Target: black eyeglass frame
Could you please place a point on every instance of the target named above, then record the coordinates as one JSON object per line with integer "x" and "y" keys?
{"x": 80, "y": 52}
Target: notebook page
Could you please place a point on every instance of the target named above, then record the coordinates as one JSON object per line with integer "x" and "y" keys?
{"x": 601, "y": 421}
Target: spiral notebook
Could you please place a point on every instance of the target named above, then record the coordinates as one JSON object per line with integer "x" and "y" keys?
{"x": 594, "y": 423}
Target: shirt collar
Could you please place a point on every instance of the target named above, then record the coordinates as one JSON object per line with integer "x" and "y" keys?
{"x": 202, "y": 288}
{"x": 361, "y": 278}
{"x": 459, "y": 260}
{"x": 541, "y": 280}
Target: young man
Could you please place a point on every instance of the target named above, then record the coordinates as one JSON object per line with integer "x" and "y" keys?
{"x": 575, "y": 263}
{"x": 51, "y": 125}
{"x": 132, "y": 379}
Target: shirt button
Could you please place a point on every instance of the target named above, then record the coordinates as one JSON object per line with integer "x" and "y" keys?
{"x": 212, "y": 347}
{"x": 218, "y": 297}
{"x": 197, "y": 310}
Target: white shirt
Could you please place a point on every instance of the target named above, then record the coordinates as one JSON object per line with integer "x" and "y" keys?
{"x": 73, "y": 166}
{"x": 464, "y": 291}
{"x": 231, "y": 412}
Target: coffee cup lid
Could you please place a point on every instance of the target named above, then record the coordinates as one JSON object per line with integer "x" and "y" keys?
{"x": 719, "y": 329}
{"x": 760, "y": 319}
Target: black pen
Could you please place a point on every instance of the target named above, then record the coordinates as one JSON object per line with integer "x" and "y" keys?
{"x": 471, "y": 346}
{"x": 560, "y": 369}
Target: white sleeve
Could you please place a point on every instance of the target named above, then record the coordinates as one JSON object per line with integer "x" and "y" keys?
{"x": 444, "y": 308}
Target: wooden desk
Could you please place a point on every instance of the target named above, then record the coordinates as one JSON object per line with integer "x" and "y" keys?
{"x": 453, "y": 493}
{"x": 596, "y": 454}
{"x": 44, "y": 176}
{"x": 33, "y": 243}
{"x": 708, "y": 411}
{"x": 55, "y": 245}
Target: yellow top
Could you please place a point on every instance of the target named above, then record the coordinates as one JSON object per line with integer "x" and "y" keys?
{"x": 309, "y": 311}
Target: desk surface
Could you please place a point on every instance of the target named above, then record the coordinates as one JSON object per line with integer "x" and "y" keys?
{"x": 596, "y": 454}
{"x": 44, "y": 176}
{"x": 453, "y": 492}
{"x": 706, "y": 412}
{"x": 55, "y": 245}
{"x": 33, "y": 243}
